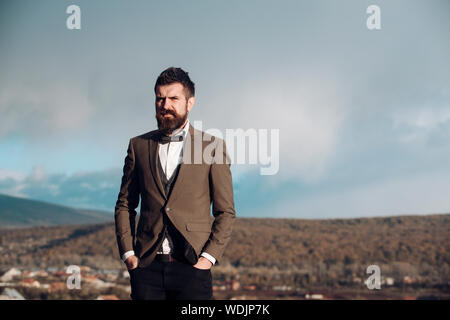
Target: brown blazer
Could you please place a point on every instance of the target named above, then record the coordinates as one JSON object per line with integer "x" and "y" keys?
{"x": 198, "y": 184}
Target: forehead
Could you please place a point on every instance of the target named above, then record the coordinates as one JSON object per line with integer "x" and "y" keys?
{"x": 170, "y": 90}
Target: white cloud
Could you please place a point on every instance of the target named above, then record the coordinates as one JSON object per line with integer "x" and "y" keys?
{"x": 11, "y": 174}
{"x": 419, "y": 194}
{"x": 427, "y": 124}
{"x": 44, "y": 110}
{"x": 308, "y": 112}
{"x": 422, "y": 118}
{"x": 12, "y": 183}
{"x": 38, "y": 174}
{"x": 96, "y": 190}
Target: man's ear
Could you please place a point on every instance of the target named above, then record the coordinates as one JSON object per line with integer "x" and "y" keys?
{"x": 190, "y": 103}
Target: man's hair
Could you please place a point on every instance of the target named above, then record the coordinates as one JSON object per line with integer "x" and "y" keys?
{"x": 172, "y": 75}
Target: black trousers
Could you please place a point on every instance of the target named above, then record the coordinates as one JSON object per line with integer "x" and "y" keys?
{"x": 170, "y": 281}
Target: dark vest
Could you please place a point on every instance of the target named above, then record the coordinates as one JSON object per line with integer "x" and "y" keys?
{"x": 181, "y": 249}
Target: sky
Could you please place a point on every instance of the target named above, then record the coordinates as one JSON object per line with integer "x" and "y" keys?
{"x": 363, "y": 115}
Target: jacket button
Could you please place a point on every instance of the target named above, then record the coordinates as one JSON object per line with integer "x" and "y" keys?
{"x": 168, "y": 209}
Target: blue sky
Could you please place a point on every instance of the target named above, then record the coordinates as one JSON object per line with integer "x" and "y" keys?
{"x": 364, "y": 116}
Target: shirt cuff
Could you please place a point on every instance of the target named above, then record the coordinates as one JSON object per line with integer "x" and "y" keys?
{"x": 127, "y": 254}
{"x": 209, "y": 257}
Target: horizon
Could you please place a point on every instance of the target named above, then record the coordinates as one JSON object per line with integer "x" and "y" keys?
{"x": 238, "y": 217}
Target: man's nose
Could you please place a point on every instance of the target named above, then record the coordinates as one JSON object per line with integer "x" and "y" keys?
{"x": 165, "y": 104}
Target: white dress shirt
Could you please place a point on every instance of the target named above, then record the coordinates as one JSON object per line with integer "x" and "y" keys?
{"x": 170, "y": 156}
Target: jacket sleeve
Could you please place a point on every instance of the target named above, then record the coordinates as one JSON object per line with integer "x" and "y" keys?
{"x": 127, "y": 202}
{"x": 221, "y": 193}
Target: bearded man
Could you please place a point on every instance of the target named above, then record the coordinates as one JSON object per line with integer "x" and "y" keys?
{"x": 177, "y": 240}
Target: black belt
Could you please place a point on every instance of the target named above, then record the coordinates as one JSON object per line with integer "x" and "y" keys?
{"x": 165, "y": 258}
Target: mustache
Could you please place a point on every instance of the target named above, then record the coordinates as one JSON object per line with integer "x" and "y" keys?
{"x": 164, "y": 112}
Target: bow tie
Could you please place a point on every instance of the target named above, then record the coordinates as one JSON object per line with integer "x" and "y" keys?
{"x": 163, "y": 139}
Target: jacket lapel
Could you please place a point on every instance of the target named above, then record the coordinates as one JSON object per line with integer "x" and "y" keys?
{"x": 153, "y": 147}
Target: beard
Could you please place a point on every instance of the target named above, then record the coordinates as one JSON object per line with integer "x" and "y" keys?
{"x": 168, "y": 124}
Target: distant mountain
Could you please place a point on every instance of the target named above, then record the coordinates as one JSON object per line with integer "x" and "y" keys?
{"x": 18, "y": 212}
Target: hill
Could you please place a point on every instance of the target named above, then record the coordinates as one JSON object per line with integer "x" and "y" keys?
{"x": 329, "y": 255}
{"x": 413, "y": 241}
{"x": 17, "y": 212}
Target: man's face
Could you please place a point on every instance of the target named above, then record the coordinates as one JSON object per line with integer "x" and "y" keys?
{"x": 172, "y": 107}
